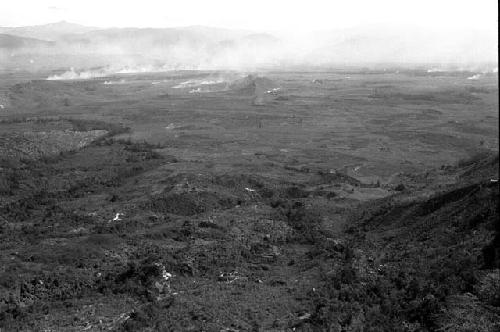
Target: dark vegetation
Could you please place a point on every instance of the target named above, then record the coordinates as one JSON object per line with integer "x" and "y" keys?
{"x": 394, "y": 269}
{"x": 221, "y": 222}
{"x": 415, "y": 256}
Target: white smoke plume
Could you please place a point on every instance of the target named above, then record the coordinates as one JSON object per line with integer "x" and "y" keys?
{"x": 75, "y": 75}
{"x": 124, "y": 51}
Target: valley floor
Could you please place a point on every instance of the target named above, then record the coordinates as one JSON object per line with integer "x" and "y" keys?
{"x": 128, "y": 208}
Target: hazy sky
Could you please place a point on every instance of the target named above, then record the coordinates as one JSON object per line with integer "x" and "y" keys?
{"x": 284, "y": 15}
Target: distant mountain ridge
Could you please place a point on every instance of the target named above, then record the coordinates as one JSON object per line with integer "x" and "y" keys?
{"x": 48, "y": 32}
{"x": 15, "y": 42}
{"x": 200, "y": 47}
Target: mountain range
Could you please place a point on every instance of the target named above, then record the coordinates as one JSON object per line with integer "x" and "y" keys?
{"x": 208, "y": 47}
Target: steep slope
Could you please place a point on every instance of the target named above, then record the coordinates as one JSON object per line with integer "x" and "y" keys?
{"x": 426, "y": 264}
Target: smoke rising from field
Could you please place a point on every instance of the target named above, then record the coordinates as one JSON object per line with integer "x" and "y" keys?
{"x": 151, "y": 50}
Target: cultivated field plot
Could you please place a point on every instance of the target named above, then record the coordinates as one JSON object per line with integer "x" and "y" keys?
{"x": 225, "y": 201}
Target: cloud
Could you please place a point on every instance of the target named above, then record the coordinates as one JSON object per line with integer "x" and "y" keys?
{"x": 56, "y": 8}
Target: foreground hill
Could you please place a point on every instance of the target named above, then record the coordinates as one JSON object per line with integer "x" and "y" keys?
{"x": 116, "y": 236}
{"x": 422, "y": 263}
